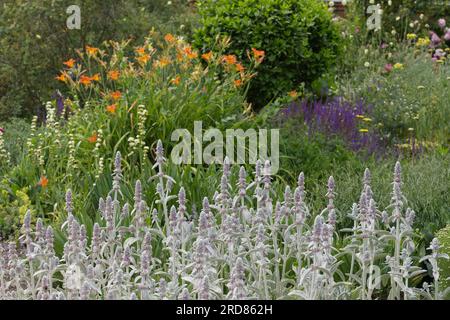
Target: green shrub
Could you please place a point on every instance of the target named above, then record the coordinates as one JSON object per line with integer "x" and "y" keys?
{"x": 444, "y": 264}
{"x": 299, "y": 38}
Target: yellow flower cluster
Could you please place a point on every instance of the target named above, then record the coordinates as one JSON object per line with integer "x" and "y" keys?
{"x": 423, "y": 42}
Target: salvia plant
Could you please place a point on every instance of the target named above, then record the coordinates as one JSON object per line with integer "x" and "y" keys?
{"x": 338, "y": 117}
{"x": 245, "y": 243}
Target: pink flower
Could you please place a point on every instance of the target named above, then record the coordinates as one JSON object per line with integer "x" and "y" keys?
{"x": 435, "y": 38}
{"x": 447, "y": 35}
{"x": 441, "y": 23}
{"x": 2, "y": 130}
{"x": 388, "y": 67}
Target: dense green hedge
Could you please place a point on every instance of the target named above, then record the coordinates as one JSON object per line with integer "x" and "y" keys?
{"x": 298, "y": 36}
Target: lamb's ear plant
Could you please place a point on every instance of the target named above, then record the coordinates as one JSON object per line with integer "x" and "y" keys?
{"x": 433, "y": 260}
{"x": 247, "y": 242}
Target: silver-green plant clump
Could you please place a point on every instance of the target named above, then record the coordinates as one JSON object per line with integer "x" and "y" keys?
{"x": 246, "y": 243}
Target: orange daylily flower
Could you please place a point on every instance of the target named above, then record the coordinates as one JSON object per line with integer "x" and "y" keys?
{"x": 144, "y": 58}
{"x": 113, "y": 74}
{"x": 238, "y": 82}
{"x": 69, "y": 63}
{"x": 293, "y": 94}
{"x": 258, "y": 54}
{"x": 176, "y": 81}
{"x": 239, "y": 67}
{"x": 140, "y": 50}
{"x": 230, "y": 59}
{"x": 169, "y": 38}
{"x": 43, "y": 182}
{"x": 91, "y": 50}
{"x": 111, "y": 108}
{"x": 85, "y": 80}
{"x": 164, "y": 61}
{"x": 116, "y": 95}
{"x": 96, "y": 77}
{"x": 62, "y": 77}
{"x": 190, "y": 54}
{"x": 207, "y": 56}
{"x": 93, "y": 138}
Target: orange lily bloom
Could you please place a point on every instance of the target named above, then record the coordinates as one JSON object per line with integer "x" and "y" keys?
{"x": 111, "y": 108}
{"x": 230, "y": 59}
{"x": 96, "y": 77}
{"x": 43, "y": 182}
{"x": 61, "y": 77}
{"x": 169, "y": 38}
{"x": 93, "y": 138}
{"x": 207, "y": 56}
{"x": 239, "y": 67}
{"x": 176, "y": 81}
{"x": 258, "y": 54}
{"x": 116, "y": 95}
{"x": 91, "y": 50}
{"x": 164, "y": 62}
{"x": 140, "y": 50}
{"x": 113, "y": 74}
{"x": 70, "y": 63}
{"x": 238, "y": 82}
{"x": 143, "y": 59}
{"x": 293, "y": 94}
{"x": 191, "y": 54}
{"x": 85, "y": 80}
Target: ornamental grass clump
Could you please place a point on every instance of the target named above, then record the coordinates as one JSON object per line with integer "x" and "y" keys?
{"x": 247, "y": 242}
